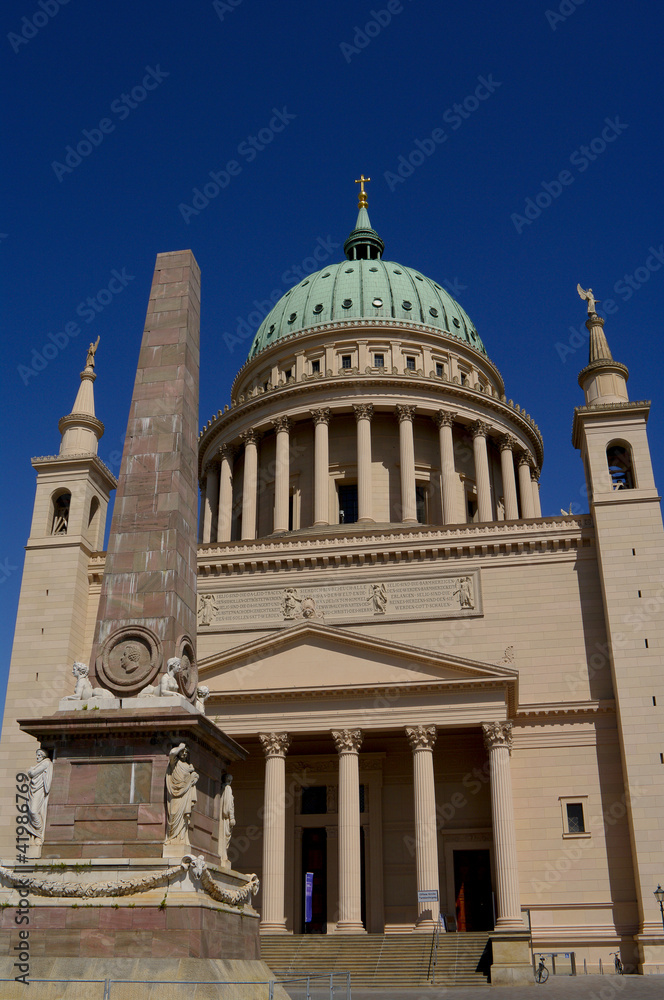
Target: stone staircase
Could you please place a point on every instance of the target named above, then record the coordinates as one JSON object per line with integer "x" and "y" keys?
{"x": 380, "y": 959}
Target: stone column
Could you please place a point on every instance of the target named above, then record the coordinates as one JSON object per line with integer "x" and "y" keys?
{"x": 407, "y": 463}
{"x": 249, "y": 483}
{"x": 211, "y": 499}
{"x": 282, "y": 473}
{"x": 534, "y": 477}
{"x": 526, "y": 487}
{"x": 422, "y": 739}
{"x": 480, "y": 431}
{"x": 225, "y": 515}
{"x": 444, "y": 421}
{"x": 275, "y": 748}
{"x": 321, "y": 420}
{"x": 363, "y": 415}
{"x": 348, "y": 742}
{"x": 507, "y": 446}
{"x": 498, "y": 742}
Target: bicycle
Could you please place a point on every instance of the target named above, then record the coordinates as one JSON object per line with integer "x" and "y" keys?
{"x": 620, "y": 969}
{"x": 542, "y": 973}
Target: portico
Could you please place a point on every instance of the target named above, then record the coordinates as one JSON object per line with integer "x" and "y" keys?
{"x": 380, "y": 790}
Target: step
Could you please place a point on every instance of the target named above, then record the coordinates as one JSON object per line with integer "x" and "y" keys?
{"x": 378, "y": 959}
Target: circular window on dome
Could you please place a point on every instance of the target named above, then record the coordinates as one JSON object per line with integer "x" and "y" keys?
{"x": 418, "y": 277}
{"x": 377, "y": 303}
{"x": 456, "y": 323}
{"x": 270, "y": 331}
{"x": 436, "y": 286}
{"x": 433, "y": 312}
{"x": 325, "y": 275}
{"x": 347, "y": 303}
{"x": 318, "y": 308}
{"x": 406, "y": 304}
{"x": 373, "y": 268}
{"x": 398, "y": 272}
{"x": 292, "y": 317}
{"x": 349, "y": 270}
{"x": 304, "y": 283}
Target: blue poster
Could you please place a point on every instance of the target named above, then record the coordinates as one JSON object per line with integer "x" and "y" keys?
{"x": 308, "y": 895}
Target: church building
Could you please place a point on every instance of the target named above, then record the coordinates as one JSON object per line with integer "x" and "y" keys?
{"x": 452, "y": 705}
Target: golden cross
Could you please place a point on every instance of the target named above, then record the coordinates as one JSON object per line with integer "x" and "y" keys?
{"x": 362, "y": 197}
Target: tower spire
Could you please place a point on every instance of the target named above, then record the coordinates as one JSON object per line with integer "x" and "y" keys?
{"x": 603, "y": 380}
{"x": 80, "y": 429}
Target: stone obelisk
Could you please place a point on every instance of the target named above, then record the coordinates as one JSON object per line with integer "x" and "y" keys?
{"x": 147, "y": 609}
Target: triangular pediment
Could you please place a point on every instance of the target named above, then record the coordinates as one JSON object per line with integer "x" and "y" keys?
{"x": 314, "y": 657}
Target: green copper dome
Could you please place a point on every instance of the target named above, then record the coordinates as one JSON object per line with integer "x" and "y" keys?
{"x": 365, "y": 287}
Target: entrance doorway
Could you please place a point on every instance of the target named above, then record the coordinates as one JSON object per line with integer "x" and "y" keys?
{"x": 314, "y": 859}
{"x": 472, "y": 891}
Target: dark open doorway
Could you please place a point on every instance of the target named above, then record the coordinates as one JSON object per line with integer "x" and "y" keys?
{"x": 314, "y": 859}
{"x": 472, "y": 891}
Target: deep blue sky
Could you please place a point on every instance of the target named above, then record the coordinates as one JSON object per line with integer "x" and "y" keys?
{"x": 217, "y": 76}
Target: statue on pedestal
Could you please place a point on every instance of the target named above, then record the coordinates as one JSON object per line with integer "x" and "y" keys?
{"x": 41, "y": 776}
{"x": 84, "y": 689}
{"x": 226, "y": 819}
{"x": 181, "y": 779}
{"x": 167, "y": 684}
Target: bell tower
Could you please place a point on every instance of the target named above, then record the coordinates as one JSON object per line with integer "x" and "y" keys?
{"x": 54, "y": 623}
{"x": 610, "y": 432}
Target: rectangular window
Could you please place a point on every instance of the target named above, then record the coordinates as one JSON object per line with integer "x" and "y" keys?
{"x": 471, "y": 508}
{"x": 410, "y": 364}
{"x": 421, "y": 504}
{"x": 315, "y": 367}
{"x": 464, "y": 378}
{"x": 346, "y": 361}
{"x": 439, "y": 369}
{"x": 347, "y": 503}
{"x": 290, "y": 512}
{"x": 314, "y": 800}
{"x": 379, "y": 360}
{"x": 575, "y": 822}
{"x": 362, "y": 799}
{"x": 288, "y": 373}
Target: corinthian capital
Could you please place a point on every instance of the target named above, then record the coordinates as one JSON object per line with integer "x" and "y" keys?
{"x": 275, "y": 744}
{"x": 526, "y": 459}
{"x": 480, "y": 429}
{"x": 363, "y": 411}
{"x": 321, "y": 416}
{"x": 347, "y": 740}
{"x": 282, "y": 424}
{"x": 507, "y": 442}
{"x": 405, "y": 412}
{"x": 497, "y": 734}
{"x": 226, "y": 452}
{"x": 249, "y": 437}
{"x": 444, "y": 418}
{"x": 421, "y": 737}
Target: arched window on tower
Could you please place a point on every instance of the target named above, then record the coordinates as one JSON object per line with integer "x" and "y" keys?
{"x": 60, "y": 522}
{"x": 93, "y": 517}
{"x": 621, "y": 469}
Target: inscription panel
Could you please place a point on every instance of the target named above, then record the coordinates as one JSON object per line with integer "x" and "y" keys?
{"x": 382, "y": 600}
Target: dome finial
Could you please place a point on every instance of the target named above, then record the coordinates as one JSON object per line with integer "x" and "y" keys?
{"x": 362, "y": 197}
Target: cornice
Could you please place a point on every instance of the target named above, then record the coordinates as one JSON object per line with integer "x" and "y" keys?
{"x": 329, "y": 692}
{"x": 43, "y": 461}
{"x": 397, "y": 546}
{"x": 562, "y": 711}
{"x": 541, "y": 536}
